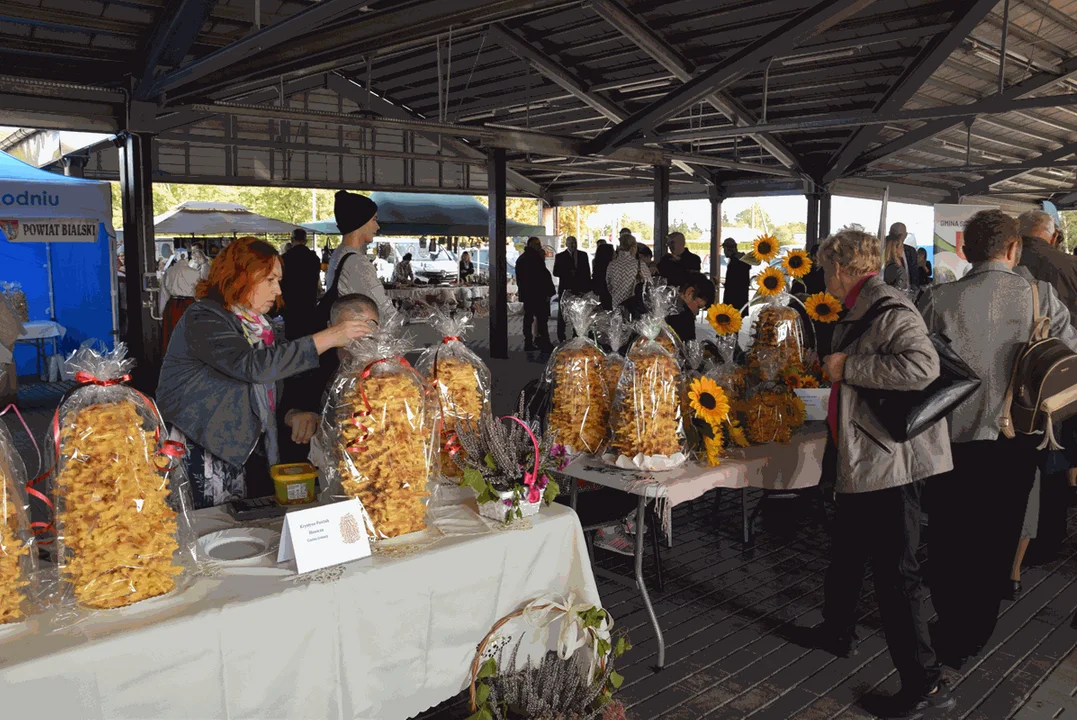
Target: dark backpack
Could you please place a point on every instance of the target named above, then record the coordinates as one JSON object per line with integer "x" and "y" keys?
{"x": 325, "y": 304}
{"x": 1043, "y": 388}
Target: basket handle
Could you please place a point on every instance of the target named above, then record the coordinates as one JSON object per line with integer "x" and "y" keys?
{"x": 477, "y": 662}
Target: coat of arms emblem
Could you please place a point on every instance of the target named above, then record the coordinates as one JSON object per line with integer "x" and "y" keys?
{"x": 349, "y": 529}
{"x": 10, "y": 229}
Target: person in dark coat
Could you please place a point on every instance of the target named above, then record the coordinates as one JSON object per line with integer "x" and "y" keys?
{"x": 599, "y": 286}
{"x": 697, "y": 293}
{"x": 299, "y": 287}
{"x": 736, "y": 275}
{"x": 536, "y": 289}
{"x": 899, "y": 233}
{"x": 677, "y": 265}
{"x": 573, "y": 273}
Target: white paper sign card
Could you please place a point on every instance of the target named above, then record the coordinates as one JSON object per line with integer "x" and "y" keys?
{"x": 324, "y": 536}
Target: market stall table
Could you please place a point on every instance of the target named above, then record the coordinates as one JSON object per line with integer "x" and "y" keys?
{"x": 36, "y": 334}
{"x": 773, "y": 467}
{"x": 387, "y": 639}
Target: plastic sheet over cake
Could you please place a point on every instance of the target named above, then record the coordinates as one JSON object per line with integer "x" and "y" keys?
{"x": 580, "y": 401}
{"x": 121, "y": 497}
{"x": 461, "y": 384}
{"x": 379, "y": 431}
{"x": 18, "y": 554}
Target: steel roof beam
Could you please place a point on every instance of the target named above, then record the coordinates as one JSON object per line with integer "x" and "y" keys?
{"x": 1067, "y": 71}
{"x": 812, "y": 22}
{"x": 629, "y": 25}
{"x": 356, "y": 93}
{"x": 829, "y": 121}
{"x": 177, "y": 29}
{"x": 1035, "y": 164}
{"x": 984, "y": 184}
{"x": 967, "y": 16}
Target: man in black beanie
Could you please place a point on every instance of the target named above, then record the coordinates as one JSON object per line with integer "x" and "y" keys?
{"x": 357, "y": 219}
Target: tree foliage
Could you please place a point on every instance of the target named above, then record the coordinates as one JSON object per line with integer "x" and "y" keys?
{"x": 753, "y": 216}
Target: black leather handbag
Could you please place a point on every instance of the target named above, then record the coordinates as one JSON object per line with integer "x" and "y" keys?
{"x": 904, "y": 414}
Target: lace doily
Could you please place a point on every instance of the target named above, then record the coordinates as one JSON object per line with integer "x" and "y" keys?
{"x": 517, "y": 524}
{"x": 323, "y": 576}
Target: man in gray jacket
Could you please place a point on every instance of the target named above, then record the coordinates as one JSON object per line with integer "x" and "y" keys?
{"x": 978, "y": 508}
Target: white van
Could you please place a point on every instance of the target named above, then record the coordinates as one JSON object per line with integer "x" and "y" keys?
{"x": 439, "y": 266}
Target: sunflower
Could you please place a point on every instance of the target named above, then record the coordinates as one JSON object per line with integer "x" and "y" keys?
{"x": 792, "y": 380}
{"x": 808, "y": 382}
{"x": 725, "y": 319}
{"x": 770, "y": 282}
{"x": 736, "y": 434}
{"x": 797, "y": 263}
{"x": 766, "y": 248}
{"x": 822, "y": 307}
{"x": 713, "y": 446}
{"x": 708, "y": 401}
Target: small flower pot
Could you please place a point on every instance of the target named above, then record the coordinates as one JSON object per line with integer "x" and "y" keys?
{"x": 498, "y": 510}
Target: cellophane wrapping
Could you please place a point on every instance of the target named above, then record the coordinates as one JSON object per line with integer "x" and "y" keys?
{"x": 646, "y": 420}
{"x": 461, "y": 383}
{"x": 617, "y": 331}
{"x": 18, "y": 553}
{"x": 580, "y": 400}
{"x": 122, "y": 502}
{"x": 773, "y": 337}
{"x": 770, "y": 416}
{"x": 661, "y": 300}
{"x": 378, "y": 430}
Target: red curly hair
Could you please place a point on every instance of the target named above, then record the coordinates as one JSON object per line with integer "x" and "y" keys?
{"x": 234, "y": 273}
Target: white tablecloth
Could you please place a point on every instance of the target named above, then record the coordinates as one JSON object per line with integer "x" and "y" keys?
{"x": 42, "y": 330}
{"x": 793, "y": 466}
{"x": 387, "y": 640}
{"x": 460, "y": 294}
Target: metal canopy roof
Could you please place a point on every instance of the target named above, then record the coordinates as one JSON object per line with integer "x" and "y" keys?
{"x": 744, "y": 96}
{"x": 216, "y": 218}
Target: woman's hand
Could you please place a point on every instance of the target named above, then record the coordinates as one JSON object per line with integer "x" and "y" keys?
{"x": 834, "y": 365}
{"x": 341, "y": 334}
{"x": 303, "y": 425}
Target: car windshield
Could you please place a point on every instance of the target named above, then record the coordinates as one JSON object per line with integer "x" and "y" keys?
{"x": 439, "y": 253}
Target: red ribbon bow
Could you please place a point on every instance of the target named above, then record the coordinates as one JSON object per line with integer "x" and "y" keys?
{"x": 85, "y": 378}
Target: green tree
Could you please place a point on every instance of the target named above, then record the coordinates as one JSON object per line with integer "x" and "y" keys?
{"x": 785, "y": 232}
{"x": 690, "y": 233}
{"x": 572, "y": 220}
{"x": 520, "y": 209}
{"x": 755, "y": 217}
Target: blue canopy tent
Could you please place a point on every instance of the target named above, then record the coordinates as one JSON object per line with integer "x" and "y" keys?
{"x": 54, "y": 240}
{"x": 414, "y": 214}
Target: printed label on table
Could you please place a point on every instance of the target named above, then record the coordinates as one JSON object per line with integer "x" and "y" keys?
{"x": 324, "y": 536}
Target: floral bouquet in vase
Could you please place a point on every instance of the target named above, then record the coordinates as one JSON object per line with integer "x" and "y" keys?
{"x": 508, "y": 463}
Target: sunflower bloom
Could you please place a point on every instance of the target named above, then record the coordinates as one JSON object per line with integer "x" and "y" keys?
{"x": 736, "y": 434}
{"x": 793, "y": 380}
{"x": 725, "y": 319}
{"x": 822, "y": 307}
{"x": 766, "y": 248}
{"x": 713, "y": 446}
{"x": 708, "y": 401}
{"x": 797, "y": 263}
{"x": 770, "y": 282}
{"x": 808, "y": 382}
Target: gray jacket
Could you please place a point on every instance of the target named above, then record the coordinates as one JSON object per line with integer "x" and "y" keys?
{"x": 987, "y": 317}
{"x": 208, "y": 377}
{"x": 894, "y": 353}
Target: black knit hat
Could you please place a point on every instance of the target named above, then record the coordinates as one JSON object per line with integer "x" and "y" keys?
{"x": 352, "y": 211}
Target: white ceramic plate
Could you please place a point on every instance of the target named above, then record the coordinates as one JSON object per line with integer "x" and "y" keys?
{"x": 239, "y": 546}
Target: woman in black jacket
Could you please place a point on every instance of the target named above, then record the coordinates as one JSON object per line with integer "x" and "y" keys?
{"x": 220, "y": 381}
{"x": 603, "y": 258}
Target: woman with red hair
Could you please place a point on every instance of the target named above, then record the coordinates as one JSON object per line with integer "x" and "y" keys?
{"x": 221, "y": 377}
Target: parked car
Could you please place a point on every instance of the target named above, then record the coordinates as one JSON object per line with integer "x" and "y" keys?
{"x": 481, "y": 259}
{"x": 437, "y": 266}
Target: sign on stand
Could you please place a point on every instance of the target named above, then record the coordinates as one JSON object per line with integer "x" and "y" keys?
{"x": 950, "y": 261}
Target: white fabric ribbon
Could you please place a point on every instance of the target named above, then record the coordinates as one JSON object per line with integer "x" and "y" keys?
{"x": 574, "y": 635}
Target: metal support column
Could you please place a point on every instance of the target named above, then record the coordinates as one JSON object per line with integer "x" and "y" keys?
{"x": 548, "y": 218}
{"x": 499, "y": 310}
{"x": 661, "y": 209}
{"x": 824, "y": 215}
{"x": 136, "y": 188}
{"x": 716, "y": 232}
{"x": 812, "y": 234}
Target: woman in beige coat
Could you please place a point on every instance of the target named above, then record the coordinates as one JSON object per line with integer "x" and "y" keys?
{"x": 878, "y": 480}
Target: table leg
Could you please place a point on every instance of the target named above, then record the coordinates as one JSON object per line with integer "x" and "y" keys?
{"x": 641, "y": 514}
{"x": 746, "y": 523}
{"x": 573, "y": 492}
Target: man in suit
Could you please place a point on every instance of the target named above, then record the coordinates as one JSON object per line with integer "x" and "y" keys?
{"x": 536, "y": 289}
{"x": 299, "y": 285}
{"x": 899, "y": 232}
{"x": 573, "y": 273}
{"x": 677, "y": 265}
{"x": 736, "y": 275}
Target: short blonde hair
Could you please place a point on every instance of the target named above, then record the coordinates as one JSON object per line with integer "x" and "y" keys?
{"x": 855, "y": 250}
{"x": 627, "y": 241}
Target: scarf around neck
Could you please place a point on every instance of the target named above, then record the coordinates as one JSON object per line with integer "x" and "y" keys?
{"x": 259, "y": 333}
